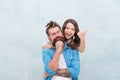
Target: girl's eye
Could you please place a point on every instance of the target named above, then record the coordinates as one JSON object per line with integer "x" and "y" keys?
{"x": 73, "y": 29}
{"x": 67, "y": 28}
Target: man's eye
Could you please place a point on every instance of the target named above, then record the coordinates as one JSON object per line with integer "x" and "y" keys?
{"x": 53, "y": 34}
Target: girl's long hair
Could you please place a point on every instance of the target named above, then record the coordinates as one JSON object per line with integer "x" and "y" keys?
{"x": 74, "y": 41}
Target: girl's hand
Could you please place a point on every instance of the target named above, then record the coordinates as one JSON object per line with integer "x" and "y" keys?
{"x": 82, "y": 34}
{"x": 47, "y": 45}
{"x": 46, "y": 74}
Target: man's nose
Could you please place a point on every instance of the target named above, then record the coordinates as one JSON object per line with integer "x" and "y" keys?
{"x": 57, "y": 35}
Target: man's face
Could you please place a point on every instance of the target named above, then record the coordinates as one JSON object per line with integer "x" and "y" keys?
{"x": 54, "y": 32}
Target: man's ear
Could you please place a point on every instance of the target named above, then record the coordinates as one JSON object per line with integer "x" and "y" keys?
{"x": 49, "y": 38}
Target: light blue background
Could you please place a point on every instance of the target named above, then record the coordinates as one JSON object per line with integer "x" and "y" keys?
{"x": 22, "y": 34}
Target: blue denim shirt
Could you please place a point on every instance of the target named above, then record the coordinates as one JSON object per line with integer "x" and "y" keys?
{"x": 71, "y": 57}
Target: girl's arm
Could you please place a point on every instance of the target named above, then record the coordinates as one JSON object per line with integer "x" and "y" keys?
{"x": 47, "y": 45}
{"x": 81, "y": 35}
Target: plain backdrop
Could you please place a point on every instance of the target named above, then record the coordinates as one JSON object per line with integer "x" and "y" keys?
{"x": 22, "y": 33}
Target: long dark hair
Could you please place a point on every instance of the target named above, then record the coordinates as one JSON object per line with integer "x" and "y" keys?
{"x": 73, "y": 42}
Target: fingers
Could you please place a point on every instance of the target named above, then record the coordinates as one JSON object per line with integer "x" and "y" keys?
{"x": 59, "y": 46}
{"x": 59, "y": 43}
{"x": 80, "y": 33}
{"x": 85, "y": 31}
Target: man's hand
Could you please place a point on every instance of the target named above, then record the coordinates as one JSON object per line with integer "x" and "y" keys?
{"x": 59, "y": 46}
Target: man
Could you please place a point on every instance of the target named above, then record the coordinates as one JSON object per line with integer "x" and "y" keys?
{"x": 60, "y": 62}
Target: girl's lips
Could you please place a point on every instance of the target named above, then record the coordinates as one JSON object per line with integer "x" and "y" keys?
{"x": 68, "y": 35}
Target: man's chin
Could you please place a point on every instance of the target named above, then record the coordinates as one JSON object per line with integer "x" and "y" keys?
{"x": 58, "y": 38}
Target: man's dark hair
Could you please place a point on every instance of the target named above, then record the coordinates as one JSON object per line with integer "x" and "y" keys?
{"x": 51, "y": 24}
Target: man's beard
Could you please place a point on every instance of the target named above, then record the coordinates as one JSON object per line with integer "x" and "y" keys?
{"x": 59, "y": 38}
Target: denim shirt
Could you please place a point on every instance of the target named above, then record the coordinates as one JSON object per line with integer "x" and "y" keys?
{"x": 71, "y": 57}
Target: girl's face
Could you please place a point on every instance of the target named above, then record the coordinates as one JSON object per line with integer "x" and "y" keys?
{"x": 69, "y": 30}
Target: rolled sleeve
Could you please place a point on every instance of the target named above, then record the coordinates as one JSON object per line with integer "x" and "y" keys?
{"x": 46, "y": 59}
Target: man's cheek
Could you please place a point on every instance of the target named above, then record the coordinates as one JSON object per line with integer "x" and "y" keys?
{"x": 53, "y": 39}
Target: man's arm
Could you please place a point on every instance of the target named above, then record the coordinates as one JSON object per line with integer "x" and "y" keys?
{"x": 46, "y": 57}
{"x": 51, "y": 64}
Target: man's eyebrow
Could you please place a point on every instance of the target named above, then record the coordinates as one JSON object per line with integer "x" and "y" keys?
{"x": 52, "y": 33}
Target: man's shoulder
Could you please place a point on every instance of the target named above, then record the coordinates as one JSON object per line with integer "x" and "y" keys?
{"x": 48, "y": 52}
{"x": 47, "y": 49}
